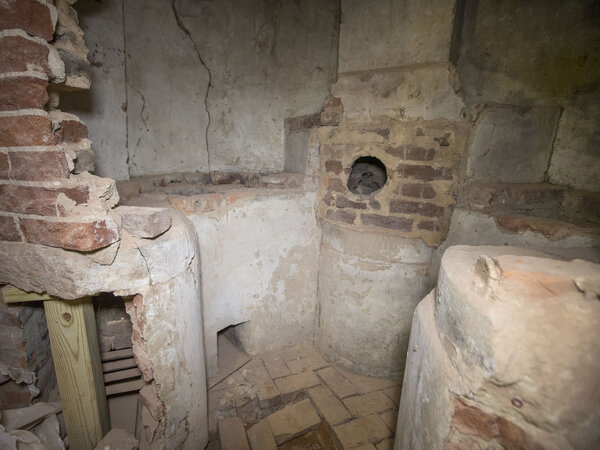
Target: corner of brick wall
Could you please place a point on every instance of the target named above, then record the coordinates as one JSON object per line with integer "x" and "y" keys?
{"x": 47, "y": 196}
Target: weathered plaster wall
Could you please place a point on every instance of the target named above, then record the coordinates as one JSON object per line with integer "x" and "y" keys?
{"x": 151, "y": 109}
{"x": 557, "y": 67}
{"x": 259, "y": 259}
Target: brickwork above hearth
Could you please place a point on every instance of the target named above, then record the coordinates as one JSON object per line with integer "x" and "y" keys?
{"x": 422, "y": 160}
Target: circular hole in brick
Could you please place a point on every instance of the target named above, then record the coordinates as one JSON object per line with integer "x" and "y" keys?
{"x": 368, "y": 175}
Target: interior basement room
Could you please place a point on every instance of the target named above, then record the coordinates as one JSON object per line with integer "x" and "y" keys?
{"x": 299, "y": 225}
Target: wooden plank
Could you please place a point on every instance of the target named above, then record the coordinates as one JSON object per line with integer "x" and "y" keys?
{"x": 127, "y": 386}
{"x": 116, "y": 354}
{"x": 74, "y": 342}
{"x": 122, "y": 375}
{"x": 121, "y": 364}
{"x": 11, "y": 294}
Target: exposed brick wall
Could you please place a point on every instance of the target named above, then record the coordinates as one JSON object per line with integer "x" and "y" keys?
{"x": 422, "y": 160}
{"x": 43, "y": 200}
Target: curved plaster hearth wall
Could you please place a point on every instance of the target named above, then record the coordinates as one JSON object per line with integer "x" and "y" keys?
{"x": 163, "y": 277}
{"x": 505, "y": 353}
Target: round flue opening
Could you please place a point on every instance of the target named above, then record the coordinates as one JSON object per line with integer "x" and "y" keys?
{"x": 368, "y": 175}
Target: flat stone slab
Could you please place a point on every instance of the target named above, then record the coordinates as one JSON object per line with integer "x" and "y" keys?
{"x": 306, "y": 364}
{"x": 276, "y": 366}
{"x": 339, "y": 384}
{"x": 232, "y": 434}
{"x": 261, "y": 437}
{"x": 373, "y": 402}
{"x": 328, "y": 405}
{"x": 296, "y": 383}
{"x": 386, "y": 444}
{"x": 293, "y": 420}
{"x": 144, "y": 222}
{"x": 390, "y": 418}
{"x": 362, "y": 431}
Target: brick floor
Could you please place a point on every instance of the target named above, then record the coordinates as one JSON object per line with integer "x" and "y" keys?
{"x": 295, "y": 399}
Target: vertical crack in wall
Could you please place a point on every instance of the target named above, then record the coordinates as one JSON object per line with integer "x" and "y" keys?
{"x": 547, "y": 171}
{"x": 129, "y": 158}
{"x": 183, "y": 28}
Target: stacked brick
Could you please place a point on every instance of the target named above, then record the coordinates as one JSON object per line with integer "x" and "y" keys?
{"x": 47, "y": 195}
{"x": 422, "y": 160}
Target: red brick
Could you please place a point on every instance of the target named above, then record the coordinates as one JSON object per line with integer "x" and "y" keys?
{"x": 38, "y": 166}
{"x": 8, "y": 229}
{"x": 428, "y": 225}
{"x": 422, "y": 208}
{"x": 341, "y": 216}
{"x": 334, "y": 166}
{"x": 29, "y": 15}
{"x": 336, "y": 185}
{"x": 4, "y": 166}
{"x": 513, "y": 437}
{"x": 18, "y": 131}
{"x": 17, "y": 54}
{"x": 424, "y": 173}
{"x": 344, "y": 202}
{"x": 71, "y": 131}
{"x": 394, "y": 223}
{"x": 473, "y": 421}
{"x": 23, "y": 93}
{"x": 412, "y": 152}
{"x": 81, "y": 236}
{"x": 418, "y": 190}
{"x": 38, "y": 200}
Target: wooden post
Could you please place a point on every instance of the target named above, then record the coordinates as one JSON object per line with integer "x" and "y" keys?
{"x": 74, "y": 341}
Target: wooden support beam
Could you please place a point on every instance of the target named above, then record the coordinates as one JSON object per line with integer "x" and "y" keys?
{"x": 11, "y": 294}
{"x": 74, "y": 341}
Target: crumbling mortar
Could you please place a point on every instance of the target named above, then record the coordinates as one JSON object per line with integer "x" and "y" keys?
{"x": 185, "y": 30}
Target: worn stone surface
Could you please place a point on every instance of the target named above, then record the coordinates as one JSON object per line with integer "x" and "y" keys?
{"x": 512, "y": 145}
{"x": 293, "y": 420}
{"x": 295, "y": 383}
{"x": 144, "y": 222}
{"x": 339, "y": 384}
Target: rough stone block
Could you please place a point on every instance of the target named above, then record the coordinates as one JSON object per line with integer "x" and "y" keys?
{"x": 412, "y": 152}
{"x": 23, "y": 93}
{"x": 262, "y": 383}
{"x": 328, "y": 405}
{"x": 293, "y": 420}
{"x": 32, "y": 16}
{"x": 332, "y": 111}
{"x": 512, "y": 145}
{"x": 71, "y": 131}
{"x": 38, "y": 166}
{"x": 8, "y": 229}
{"x": 232, "y": 434}
{"x": 261, "y": 437}
{"x": 361, "y": 431}
{"x": 295, "y": 383}
{"x": 342, "y": 201}
{"x": 373, "y": 402}
{"x": 144, "y": 222}
{"x": 80, "y": 236}
{"x": 334, "y": 166}
{"x": 25, "y": 130}
{"x": 339, "y": 384}
{"x": 394, "y": 223}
